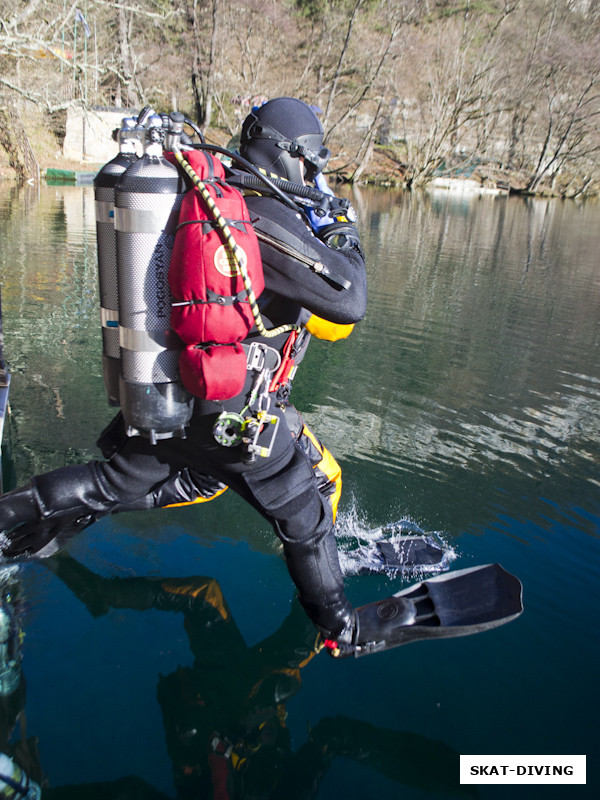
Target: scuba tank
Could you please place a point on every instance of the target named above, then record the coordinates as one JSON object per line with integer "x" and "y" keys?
{"x": 147, "y": 201}
{"x": 104, "y": 193}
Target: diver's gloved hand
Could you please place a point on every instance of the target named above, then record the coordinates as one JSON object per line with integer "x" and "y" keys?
{"x": 333, "y": 223}
{"x": 341, "y": 236}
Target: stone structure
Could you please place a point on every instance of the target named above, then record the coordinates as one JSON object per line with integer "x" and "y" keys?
{"x": 89, "y": 133}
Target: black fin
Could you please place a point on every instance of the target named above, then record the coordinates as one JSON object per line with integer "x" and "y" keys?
{"x": 459, "y": 603}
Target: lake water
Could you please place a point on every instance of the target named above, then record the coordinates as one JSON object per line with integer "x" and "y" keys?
{"x": 468, "y": 401}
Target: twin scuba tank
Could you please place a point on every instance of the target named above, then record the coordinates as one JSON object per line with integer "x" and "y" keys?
{"x": 162, "y": 349}
{"x": 137, "y": 208}
{"x": 15, "y": 784}
{"x": 104, "y": 193}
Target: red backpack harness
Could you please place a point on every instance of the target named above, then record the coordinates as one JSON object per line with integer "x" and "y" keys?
{"x": 212, "y": 311}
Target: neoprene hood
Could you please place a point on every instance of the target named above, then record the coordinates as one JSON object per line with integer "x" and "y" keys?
{"x": 275, "y": 135}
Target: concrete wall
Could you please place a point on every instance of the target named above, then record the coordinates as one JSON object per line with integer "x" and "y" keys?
{"x": 89, "y": 134}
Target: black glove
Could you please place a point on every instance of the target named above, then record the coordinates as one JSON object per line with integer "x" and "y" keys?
{"x": 341, "y": 236}
{"x": 334, "y": 224}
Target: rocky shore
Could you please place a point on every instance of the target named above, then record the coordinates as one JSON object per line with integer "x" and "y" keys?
{"x": 385, "y": 168}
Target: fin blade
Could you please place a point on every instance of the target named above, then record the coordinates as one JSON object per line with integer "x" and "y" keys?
{"x": 475, "y": 596}
{"x": 458, "y": 603}
{"x": 410, "y": 551}
{"x": 405, "y": 554}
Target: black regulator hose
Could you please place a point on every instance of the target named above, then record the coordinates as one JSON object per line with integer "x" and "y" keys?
{"x": 281, "y": 188}
{"x": 196, "y": 129}
{"x": 271, "y": 183}
{"x": 298, "y": 189}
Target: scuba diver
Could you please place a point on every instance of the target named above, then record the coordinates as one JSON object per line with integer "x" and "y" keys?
{"x": 255, "y": 442}
{"x": 282, "y": 487}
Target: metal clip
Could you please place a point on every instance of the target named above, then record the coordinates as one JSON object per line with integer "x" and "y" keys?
{"x": 265, "y": 424}
{"x": 260, "y": 356}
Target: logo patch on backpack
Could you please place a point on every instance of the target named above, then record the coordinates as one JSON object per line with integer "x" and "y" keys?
{"x": 226, "y": 264}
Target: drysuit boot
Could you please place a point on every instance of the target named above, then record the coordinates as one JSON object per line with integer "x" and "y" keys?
{"x": 39, "y": 518}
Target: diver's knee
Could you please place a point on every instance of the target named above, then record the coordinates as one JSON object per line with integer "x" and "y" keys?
{"x": 311, "y": 520}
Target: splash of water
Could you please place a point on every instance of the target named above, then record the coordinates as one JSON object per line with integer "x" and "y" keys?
{"x": 397, "y": 549}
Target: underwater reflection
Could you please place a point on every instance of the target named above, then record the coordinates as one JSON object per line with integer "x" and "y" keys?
{"x": 225, "y": 716}
{"x": 20, "y": 772}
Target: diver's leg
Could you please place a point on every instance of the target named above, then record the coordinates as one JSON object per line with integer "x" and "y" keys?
{"x": 312, "y": 559}
{"x": 35, "y": 515}
{"x": 62, "y": 492}
{"x": 58, "y": 504}
{"x": 288, "y": 496}
{"x": 39, "y": 518}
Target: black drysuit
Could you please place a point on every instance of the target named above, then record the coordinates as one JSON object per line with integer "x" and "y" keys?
{"x": 303, "y": 277}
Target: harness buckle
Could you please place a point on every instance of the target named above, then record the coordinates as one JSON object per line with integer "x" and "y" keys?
{"x": 260, "y": 356}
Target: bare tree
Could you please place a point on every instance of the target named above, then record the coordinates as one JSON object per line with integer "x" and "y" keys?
{"x": 458, "y": 92}
{"x": 204, "y": 20}
{"x": 550, "y": 87}
{"x": 571, "y": 123}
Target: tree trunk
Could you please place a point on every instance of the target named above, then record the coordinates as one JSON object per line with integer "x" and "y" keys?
{"x": 14, "y": 140}
{"x": 338, "y": 69}
{"x": 203, "y": 76}
{"x": 133, "y": 99}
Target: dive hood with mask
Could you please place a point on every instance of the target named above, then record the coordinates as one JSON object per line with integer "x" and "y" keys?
{"x": 285, "y": 137}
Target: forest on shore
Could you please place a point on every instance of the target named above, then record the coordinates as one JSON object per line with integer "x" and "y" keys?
{"x": 506, "y": 92}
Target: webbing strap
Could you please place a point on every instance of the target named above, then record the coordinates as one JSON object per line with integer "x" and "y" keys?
{"x": 219, "y": 299}
{"x": 211, "y": 224}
